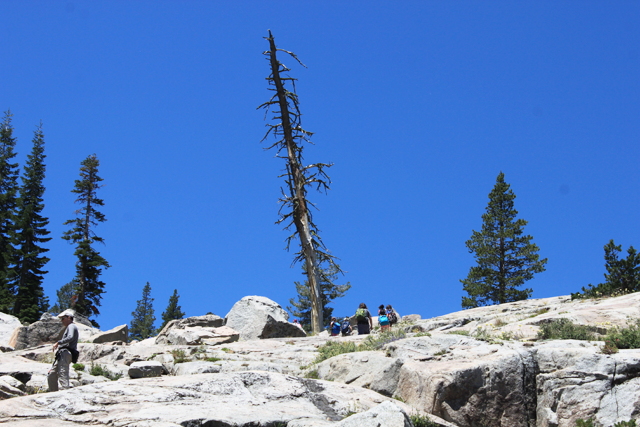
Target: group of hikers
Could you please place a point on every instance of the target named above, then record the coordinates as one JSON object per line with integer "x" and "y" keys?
{"x": 66, "y": 350}
{"x": 386, "y": 317}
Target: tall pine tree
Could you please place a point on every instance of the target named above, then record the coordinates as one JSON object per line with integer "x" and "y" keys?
{"x": 90, "y": 263}
{"x": 8, "y": 193}
{"x": 173, "y": 310}
{"x": 329, "y": 291}
{"x": 143, "y": 317}
{"x": 31, "y": 232}
{"x": 506, "y": 258}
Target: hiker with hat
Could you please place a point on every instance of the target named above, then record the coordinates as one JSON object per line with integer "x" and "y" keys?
{"x": 65, "y": 350}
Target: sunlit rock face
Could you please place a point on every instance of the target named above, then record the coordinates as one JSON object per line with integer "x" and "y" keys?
{"x": 475, "y": 367}
{"x": 259, "y": 318}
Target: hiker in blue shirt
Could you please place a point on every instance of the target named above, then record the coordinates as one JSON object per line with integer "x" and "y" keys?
{"x": 334, "y": 327}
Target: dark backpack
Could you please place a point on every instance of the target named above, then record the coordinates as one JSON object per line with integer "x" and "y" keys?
{"x": 74, "y": 354}
{"x": 345, "y": 327}
{"x": 361, "y": 314}
{"x": 393, "y": 319}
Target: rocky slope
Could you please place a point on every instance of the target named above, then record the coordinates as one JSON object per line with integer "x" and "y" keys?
{"x": 480, "y": 367}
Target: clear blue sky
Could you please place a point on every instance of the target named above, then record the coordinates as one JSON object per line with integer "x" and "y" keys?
{"x": 419, "y": 104}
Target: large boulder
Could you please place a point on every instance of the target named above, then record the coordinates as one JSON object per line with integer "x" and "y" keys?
{"x": 8, "y": 390}
{"x": 8, "y": 324}
{"x": 494, "y": 388}
{"x": 145, "y": 369}
{"x": 196, "y": 330}
{"x": 259, "y": 317}
{"x": 48, "y": 330}
{"x": 119, "y": 333}
{"x": 577, "y": 381}
{"x": 411, "y": 318}
{"x": 199, "y": 336}
{"x": 206, "y": 321}
{"x": 547, "y": 384}
{"x": 21, "y": 368}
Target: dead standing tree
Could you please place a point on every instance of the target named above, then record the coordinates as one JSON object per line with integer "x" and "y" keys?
{"x": 290, "y": 138}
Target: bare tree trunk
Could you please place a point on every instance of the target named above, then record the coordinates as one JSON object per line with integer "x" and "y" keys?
{"x": 300, "y": 214}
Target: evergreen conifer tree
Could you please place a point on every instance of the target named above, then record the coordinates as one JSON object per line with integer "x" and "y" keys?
{"x": 173, "y": 310}
{"x": 31, "y": 232}
{"x": 622, "y": 276}
{"x": 8, "y": 193}
{"x": 90, "y": 263}
{"x": 143, "y": 316}
{"x": 506, "y": 258}
{"x": 64, "y": 297}
{"x": 329, "y": 291}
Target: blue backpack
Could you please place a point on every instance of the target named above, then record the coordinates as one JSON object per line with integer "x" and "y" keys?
{"x": 383, "y": 320}
{"x": 336, "y": 328}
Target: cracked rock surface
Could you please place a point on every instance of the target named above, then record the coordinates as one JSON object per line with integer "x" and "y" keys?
{"x": 480, "y": 367}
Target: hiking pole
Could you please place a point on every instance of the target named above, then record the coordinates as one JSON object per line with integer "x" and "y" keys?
{"x": 46, "y": 378}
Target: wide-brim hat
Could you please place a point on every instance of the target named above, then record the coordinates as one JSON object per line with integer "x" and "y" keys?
{"x": 67, "y": 312}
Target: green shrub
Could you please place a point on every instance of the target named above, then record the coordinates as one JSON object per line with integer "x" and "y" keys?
{"x": 499, "y": 322}
{"x": 212, "y": 359}
{"x": 539, "y": 312}
{"x": 313, "y": 374}
{"x": 422, "y": 334}
{"x": 179, "y": 356}
{"x": 565, "y": 329}
{"x": 506, "y": 336}
{"x": 372, "y": 342}
{"x": 483, "y": 334}
{"x": 376, "y": 342}
{"x": 628, "y": 337}
{"x": 78, "y": 366}
{"x": 334, "y": 348}
{"x": 609, "y": 348}
{"x": 99, "y": 370}
{"x": 589, "y": 423}
{"x": 422, "y": 421}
